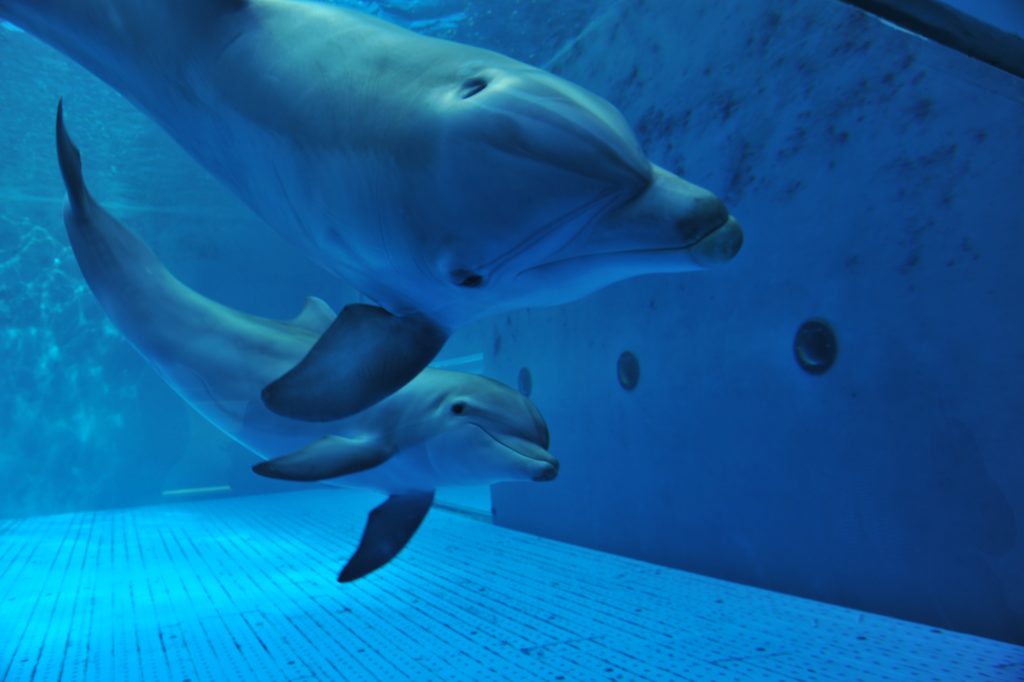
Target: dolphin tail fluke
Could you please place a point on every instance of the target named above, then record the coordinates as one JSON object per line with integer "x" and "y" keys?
{"x": 388, "y": 529}
{"x": 328, "y": 457}
{"x": 70, "y": 164}
{"x": 364, "y": 356}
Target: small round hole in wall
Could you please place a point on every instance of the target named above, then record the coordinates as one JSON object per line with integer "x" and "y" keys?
{"x": 815, "y": 346}
{"x": 525, "y": 381}
{"x": 629, "y": 370}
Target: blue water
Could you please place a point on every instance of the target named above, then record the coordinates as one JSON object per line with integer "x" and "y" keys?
{"x": 878, "y": 177}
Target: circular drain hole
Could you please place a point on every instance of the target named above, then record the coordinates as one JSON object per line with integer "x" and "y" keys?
{"x": 629, "y": 370}
{"x": 815, "y": 347}
{"x": 525, "y": 381}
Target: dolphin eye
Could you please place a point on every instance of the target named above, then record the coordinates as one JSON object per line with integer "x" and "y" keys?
{"x": 459, "y": 407}
{"x": 471, "y": 87}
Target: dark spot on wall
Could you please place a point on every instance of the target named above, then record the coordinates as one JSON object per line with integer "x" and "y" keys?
{"x": 742, "y": 175}
{"x": 794, "y": 143}
{"x": 852, "y": 262}
{"x": 911, "y": 261}
{"x": 843, "y": 47}
{"x": 727, "y": 104}
{"x": 838, "y": 137}
{"x": 633, "y": 75}
{"x": 654, "y": 126}
{"x": 792, "y": 189}
{"x": 525, "y": 381}
{"x": 980, "y": 135}
{"x": 496, "y": 345}
{"x": 941, "y": 155}
{"x": 967, "y": 247}
{"x": 906, "y": 167}
{"x": 921, "y": 110}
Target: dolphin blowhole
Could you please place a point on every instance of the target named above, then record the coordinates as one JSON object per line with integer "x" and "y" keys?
{"x": 468, "y": 279}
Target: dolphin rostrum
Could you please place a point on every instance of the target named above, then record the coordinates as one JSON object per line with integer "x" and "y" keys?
{"x": 443, "y": 181}
{"x": 441, "y": 428}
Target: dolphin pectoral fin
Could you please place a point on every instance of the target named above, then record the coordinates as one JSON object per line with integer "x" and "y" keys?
{"x": 316, "y": 316}
{"x": 366, "y": 355}
{"x": 328, "y": 457}
{"x": 388, "y": 529}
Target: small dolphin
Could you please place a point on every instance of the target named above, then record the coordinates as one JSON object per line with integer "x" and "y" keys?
{"x": 443, "y": 181}
{"x": 441, "y": 428}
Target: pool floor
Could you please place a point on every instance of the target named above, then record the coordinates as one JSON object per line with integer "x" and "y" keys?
{"x": 244, "y": 589}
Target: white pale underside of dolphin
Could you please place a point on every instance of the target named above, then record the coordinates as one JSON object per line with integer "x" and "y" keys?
{"x": 443, "y": 181}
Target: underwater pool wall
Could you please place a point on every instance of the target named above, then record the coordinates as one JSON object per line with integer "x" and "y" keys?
{"x": 86, "y": 423}
{"x": 879, "y": 179}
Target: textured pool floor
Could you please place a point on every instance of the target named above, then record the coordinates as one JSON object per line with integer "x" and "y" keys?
{"x": 244, "y": 588}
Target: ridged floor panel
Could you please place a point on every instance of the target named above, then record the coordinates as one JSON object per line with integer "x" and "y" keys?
{"x": 244, "y": 588}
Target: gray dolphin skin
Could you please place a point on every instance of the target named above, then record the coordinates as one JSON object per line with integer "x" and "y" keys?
{"x": 443, "y": 181}
{"x": 441, "y": 428}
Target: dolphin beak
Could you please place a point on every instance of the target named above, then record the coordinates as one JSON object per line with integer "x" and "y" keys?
{"x": 531, "y": 441}
{"x": 541, "y": 434}
{"x": 550, "y": 473}
{"x": 542, "y": 465}
{"x": 672, "y": 226}
{"x": 720, "y": 246}
{"x": 679, "y": 215}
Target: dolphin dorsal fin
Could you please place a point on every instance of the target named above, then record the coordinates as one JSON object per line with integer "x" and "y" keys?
{"x": 316, "y": 316}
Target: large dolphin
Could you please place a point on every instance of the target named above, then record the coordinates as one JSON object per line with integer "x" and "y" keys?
{"x": 443, "y": 181}
{"x": 441, "y": 428}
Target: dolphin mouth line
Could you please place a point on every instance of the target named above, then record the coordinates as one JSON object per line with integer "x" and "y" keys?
{"x": 518, "y": 452}
{"x": 565, "y": 226}
{"x": 635, "y": 253}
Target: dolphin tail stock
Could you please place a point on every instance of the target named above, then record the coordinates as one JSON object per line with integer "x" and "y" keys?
{"x": 102, "y": 245}
{"x": 363, "y": 357}
{"x": 389, "y": 528}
